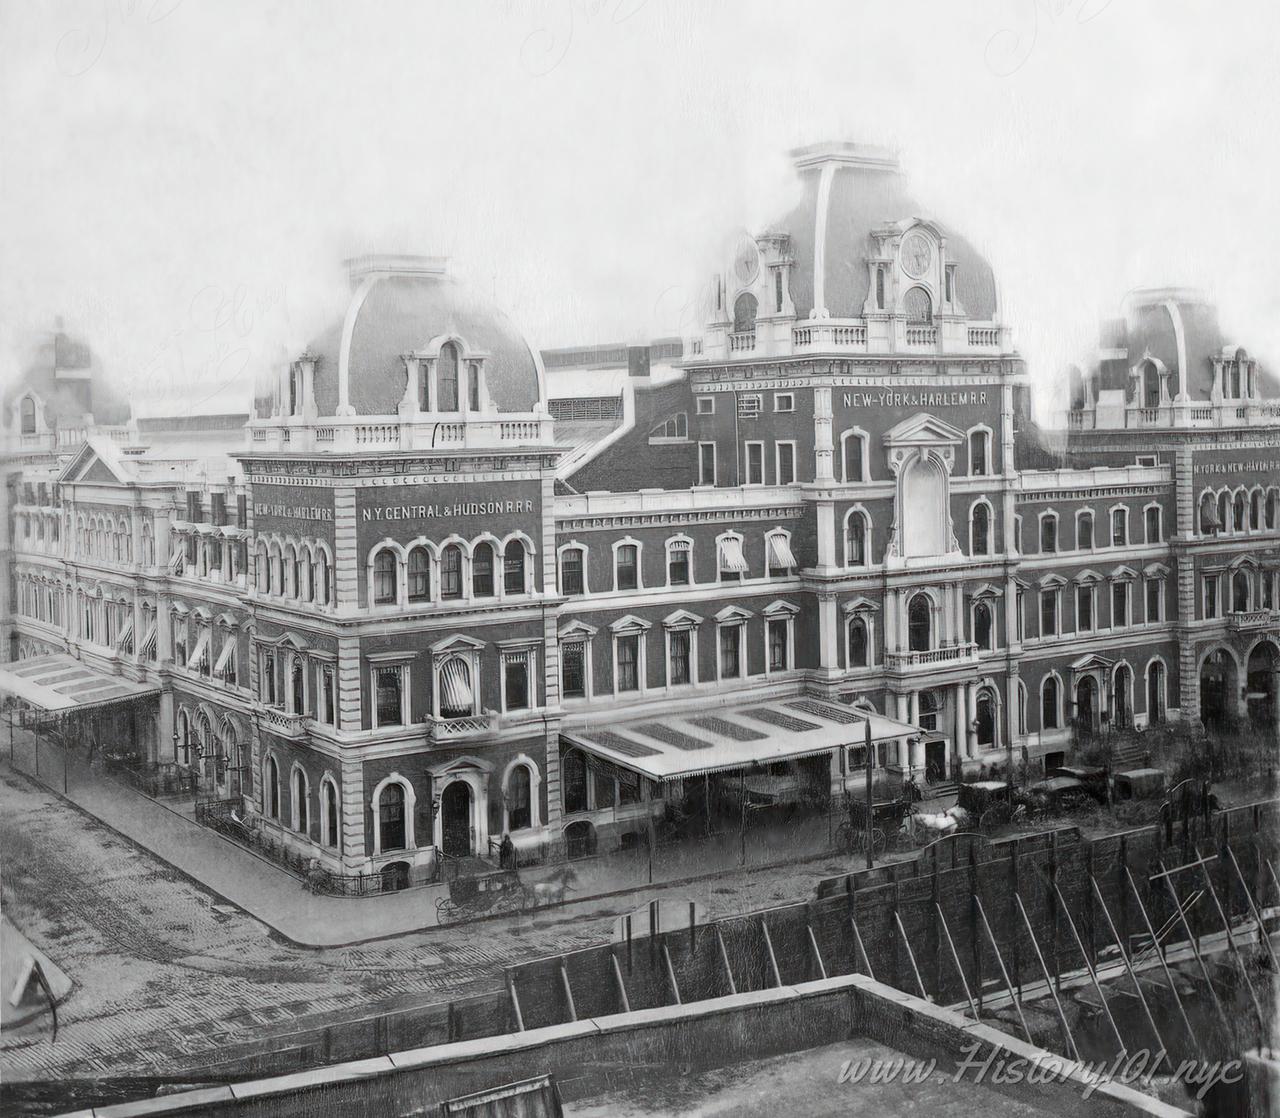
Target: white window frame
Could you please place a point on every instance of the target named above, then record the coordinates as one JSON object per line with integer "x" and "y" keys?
{"x": 746, "y": 463}
{"x": 1058, "y": 719}
{"x": 1127, "y": 583}
{"x": 730, "y": 618}
{"x": 988, "y": 600}
{"x": 401, "y": 663}
{"x": 786, "y": 536}
{"x": 706, "y": 405}
{"x": 410, "y": 811}
{"x": 294, "y": 813}
{"x": 1214, "y": 580}
{"x": 701, "y": 479}
{"x": 860, "y": 511}
{"x": 617, "y": 546}
{"x": 1055, "y": 589}
{"x": 631, "y": 627}
{"x": 1159, "y": 522}
{"x": 868, "y": 618}
{"x": 678, "y": 543}
{"x": 327, "y": 840}
{"x": 519, "y": 650}
{"x": 1093, "y": 529}
{"x": 1158, "y": 582}
{"x": 786, "y": 613}
{"x": 863, "y": 452}
{"x": 991, "y": 527}
{"x": 576, "y": 633}
{"x": 1048, "y": 514}
{"x": 681, "y": 623}
{"x": 573, "y": 545}
{"x": 1089, "y": 586}
{"x": 781, "y": 398}
{"x": 777, "y": 461}
{"x": 1111, "y": 526}
{"x": 456, "y": 648}
{"x": 986, "y": 433}
{"x": 720, "y": 571}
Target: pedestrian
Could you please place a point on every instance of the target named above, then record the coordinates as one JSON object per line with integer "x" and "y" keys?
{"x": 507, "y": 853}
{"x": 314, "y": 876}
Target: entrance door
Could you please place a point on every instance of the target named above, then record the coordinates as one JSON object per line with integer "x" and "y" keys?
{"x": 455, "y": 818}
{"x": 935, "y": 760}
{"x": 1087, "y": 704}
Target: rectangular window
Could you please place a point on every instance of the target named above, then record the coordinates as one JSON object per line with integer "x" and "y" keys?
{"x": 784, "y": 401}
{"x": 678, "y": 564}
{"x": 777, "y": 291}
{"x": 1119, "y": 605}
{"x": 515, "y": 688}
{"x": 193, "y": 507}
{"x": 451, "y": 572}
{"x": 755, "y": 463}
{"x": 678, "y": 670}
{"x": 730, "y": 651}
{"x": 1048, "y": 613}
{"x": 242, "y": 511}
{"x": 1021, "y": 608}
{"x": 627, "y": 567}
{"x": 269, "y": 678}
{"x": 219, "y": 509}
{"x": 1084, "y": 609}
{"x": 706, "y": 463}
{"x": 628, "y": 662}
{"x": 1154, "y": 594}
{"x": 706, "y": 405}
{"x": 573, "y": 670}
{"x": 387, "y": 693}
{"x": 1084, "y": 531}
{"x": 1210, "y": 596}
{"x": 1119, "y": 528}
{"x": 326, "y": 695}
{"x": 786, "y": 462}
{"x": 571, "y": 572}
{"x": 778, "y": 661}
{"x": 1048, "y": 533}
{"x": 1147, "y": 460}
{"x": 1153, "y": 525}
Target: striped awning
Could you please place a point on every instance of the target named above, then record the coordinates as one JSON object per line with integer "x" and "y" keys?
{"x": 780, "y": 553}
{"x": 224, "y": 657}
{"x": 148, "y": 642}
{"x": 176, "y": 560}
{"x": 455, "y": 687}
{"x": 200, "y": 655}
{"x": 731, "y": 558}
{"x": 124, "y": 642}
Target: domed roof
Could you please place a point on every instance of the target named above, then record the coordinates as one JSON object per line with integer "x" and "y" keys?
{"x": 848, "y": 190}
{"x": 398, "y": 305}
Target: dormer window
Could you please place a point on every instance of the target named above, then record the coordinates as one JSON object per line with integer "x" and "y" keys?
{"x": 28, "y": 415}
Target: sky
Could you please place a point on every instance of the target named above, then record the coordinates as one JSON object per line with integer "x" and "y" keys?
{"x": 181, "y": 179}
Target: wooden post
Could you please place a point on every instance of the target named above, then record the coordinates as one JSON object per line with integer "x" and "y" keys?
{"x": 622, "y": 986}
{"x": 515, "y": 1000}
{"x": 568, "y": 991}
{"x": 724, "y": 958}
{"x": 773, "y": 959}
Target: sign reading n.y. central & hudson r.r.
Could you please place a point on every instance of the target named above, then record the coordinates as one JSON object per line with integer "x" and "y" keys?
{"x": 432, "y": 512}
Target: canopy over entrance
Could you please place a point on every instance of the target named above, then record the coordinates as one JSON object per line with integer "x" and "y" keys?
{"x": 670, "y": 747}
{"x": 62, "y": 684}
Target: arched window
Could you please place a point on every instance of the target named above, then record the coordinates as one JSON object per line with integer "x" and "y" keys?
{"x": 1271, "y": 510}
{"x": 273, "y": 789}
{"x": 919, "y": 624}
{"x": 513, "y": 568}
{"x": 980, "y": 531}
{"x": 744, "y": 313}
{"x": 855, "y": 541}
{"x": 301, "y": 803}
{"x": 1049, "y": 704}
{"x": 1084, "y": 531}
{"x": 1224, "y": 510}
{"x": 309, "y": 572}
{"x": 1155, "y": 692}
{"x": 1151, "y": 524}
{"x": 263, "y": 569}
{"x": 384, "y": 577}
{"x": 986, "y": 717}
{"x": 919, "y": 307}
{"x": 447, "y": 377}
{"x": 982, "y": 625}
{"x": 277, "y": 570}
{"x": 290, "y": 572}
{"x": 297, "y": 686}
{"x": 1049, "y": 532}
{"x": 1255, "y": 510}
{"x": 482, "y": 571}
{"x": 857, "y": 642}
{"x": 519, "y": 799}
{"x": 329, "y": 795}
{"x": 978, "y": 457}
{"x": 854, "y": 457}
{"x": 456, "y": 692}
{"x": 391, "y": 830}
{"x": 1208, "y": 514}
{"x": 451, "y": 572}
{"x": 1123, "y": 696}
{"x": 322, "y": 578}
{"x": 1240, "y": 592}
{"x": 1238, "y": 517}
{"x": 28, "y": 415}
{"x": 1150, "y": 385}
{"x": 419, "y": 575}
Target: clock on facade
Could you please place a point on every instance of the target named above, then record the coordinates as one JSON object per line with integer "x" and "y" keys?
{"x": 917, "y": 255}
{"x": 746, "y": 261}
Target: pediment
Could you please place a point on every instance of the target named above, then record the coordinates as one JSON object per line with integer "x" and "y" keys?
{"x": 861, "y": 604}
{"x": 1091, "y": 662}
{"x": 94, "y": 463}
{"x": 456, "y": 643}
{"x": 923, "y": 429}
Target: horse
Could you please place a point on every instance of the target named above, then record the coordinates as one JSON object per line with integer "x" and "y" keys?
{"x": 552, "y": 890}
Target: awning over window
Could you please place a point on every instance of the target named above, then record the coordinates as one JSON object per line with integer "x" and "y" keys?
{"x": 780, "y": 553}
{"x": 731, "y": 558}
{"x": 62, "y": 683}
{"x": 224, "y": 657}
{"x": 148, "y": 648}
{"x": 124, "y": 642}
{"x": 176, "y": 560}
{"x": 200, "y": 655}
{"x": 721, "y": 739}
{"x": 455, "y": 687}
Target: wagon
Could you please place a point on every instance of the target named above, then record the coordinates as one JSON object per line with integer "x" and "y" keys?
{"x": 481, "y": 895}
{"x": 886, "y": 824}
{"x": 1139, "y": 784}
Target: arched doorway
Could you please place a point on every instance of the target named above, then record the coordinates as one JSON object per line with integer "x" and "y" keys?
{"x": 395, "y": 876}
{"x": 986, "y": 718}
{"x": 919, "y": 623}
{"x": 1217, "y": 688}
{"x": 455, "y": 819}
{"x": 1122, "y": 701}
{"x": 1087, "y": 704}
{"x": 580, "y": 839}
{"x": 1155, "y": 693}
{"x": 1263, "y": 684}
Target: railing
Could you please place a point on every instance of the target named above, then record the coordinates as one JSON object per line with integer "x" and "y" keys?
{"x": 1251, "y": 620}
{"x": 422, "y": 432}
{"x": 1204, "y": 414}
{"x": 323, "y": 434}
{"x": 742, "y": 343}
{"x": 458, "y": 727}
{"x": 668, "y": 500}
{"x": 829, "y": 334}
{"x": 984, "y": 335}
{"x": 161, "y": 778}
{"x": 1147, "y": 417}
{"x": 917, "y": 659}
{"x": 285, "y": 724}
{"x": 519, "y": 432}
{"x": 922, "y": 335}
{"x": 377, "y": 434}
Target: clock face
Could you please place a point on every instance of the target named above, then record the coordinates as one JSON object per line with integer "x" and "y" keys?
{"x": 746, "y": 261}
{"x": 917, "y": 255}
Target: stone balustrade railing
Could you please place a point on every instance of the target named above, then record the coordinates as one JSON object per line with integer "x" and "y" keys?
{"x": 949, "y": 654}
{"x": 345, "y": 434}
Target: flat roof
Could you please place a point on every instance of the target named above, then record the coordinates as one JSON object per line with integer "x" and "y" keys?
{"x": 59, "y": 682}
{"x": 718, "y": 739}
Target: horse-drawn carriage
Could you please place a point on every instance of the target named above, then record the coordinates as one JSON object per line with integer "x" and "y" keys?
{"x": 887, "y": 824}
{"x": 482, "y": 895}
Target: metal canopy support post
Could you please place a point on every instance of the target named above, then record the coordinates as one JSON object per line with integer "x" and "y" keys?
{"x": 1128, "y": 964}
{"x": 1257, "y": 913}
{"x": 817, "y": 955}
{"x": 568, "y": 991}
{"x": 911, "y": 955}
{"x": 622, "y": 986}
{"x": 1186, "y": 927}
{"x": 1048, "y": 979}
{"x": 671, "y": 973}
{"x": 1088, "y": 966}
{"x": 1159, "y": 950}
{"x": 773, "y": 959}
{"x": 724, "y": 958}
{"x": 515, "y": 1001}
{"x": 1235, "y": 952}
{"x": 955, "y": 955}
{"x": 862, "y": 947}
{"x": 1008, "y": 985}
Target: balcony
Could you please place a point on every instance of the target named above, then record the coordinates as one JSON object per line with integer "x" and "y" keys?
{"x": 448, "y": 729}
{"x": 744, "y": 342}
{"x": 932, "y": 657}
{"x": 922, "y": 335}
{"x": 1253, "y": 619}
{"x": 283, "y": 724}
{"x": 422, "y": 432}
{"x": 829, "y": 335}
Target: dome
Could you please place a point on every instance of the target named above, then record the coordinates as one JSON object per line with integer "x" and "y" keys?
{"x": 849, "y": 190}
{"x": 400, "y": 304}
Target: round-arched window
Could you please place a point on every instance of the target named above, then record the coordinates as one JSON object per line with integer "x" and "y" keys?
{"x": 918, "y": 306}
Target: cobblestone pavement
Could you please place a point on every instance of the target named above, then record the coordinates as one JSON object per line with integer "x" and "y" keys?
{"x": 165, "y": 973}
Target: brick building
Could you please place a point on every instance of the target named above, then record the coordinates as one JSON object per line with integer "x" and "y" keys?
{"x": 439, "y": 587}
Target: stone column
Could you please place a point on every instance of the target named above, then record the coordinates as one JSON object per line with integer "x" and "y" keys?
{"x": 829, "y": 633}
{"x": 889, "y": 622}
{"x": 825, "y": 516}
{"x": 352, "y": 804}
{"x": 823, "y": 449}
{"x": 960, "y": 732}
{"x": 971, "y": 714}
{"x": 348, "y": 684}
{"x": 903, "y": 711}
